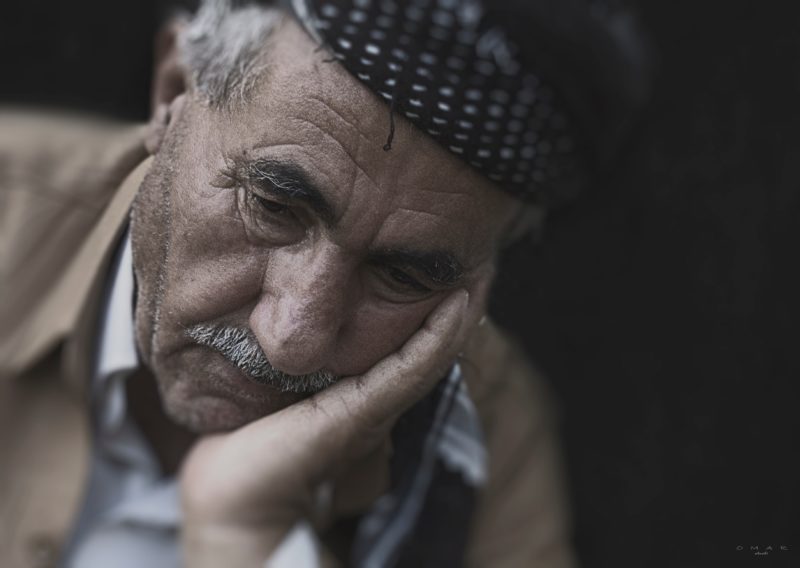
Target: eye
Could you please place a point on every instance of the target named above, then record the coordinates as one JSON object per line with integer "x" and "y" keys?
{"x": 269, "y": 219}
{"x": 406, "y": 280}
{"x": 269, "y": 205}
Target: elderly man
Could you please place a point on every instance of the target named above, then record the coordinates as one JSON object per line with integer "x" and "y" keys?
{"x": 254, "y": 332}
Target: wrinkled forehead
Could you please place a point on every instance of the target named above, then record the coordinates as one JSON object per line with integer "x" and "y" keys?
{"x": 452, "y": 68}
{"x": 306, "y": 99}
{"x": 307, "y": 111}
{"x": 302, "y": 84}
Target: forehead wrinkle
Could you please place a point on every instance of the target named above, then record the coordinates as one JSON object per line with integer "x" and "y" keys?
{"x": 433, "y": 195}
{"x": 298, "y": 155}
{"x": 463, "y": 247}
{"x": 329, "y": 90}
{"x": 399, "y": 201}
{"x": 340, "y": 193}
{"x": 333, "y": 98}
{"x": 349, "y": 125}
{"x": 333, "y": 105}
{"x": 406, "y": 138}
{"x": 455, "y": 192}
{"x": 436, "y": 216}
{"x": 342, "y": 147}
{"x": 288, "y": 178}
{"x": 291, "y": 157}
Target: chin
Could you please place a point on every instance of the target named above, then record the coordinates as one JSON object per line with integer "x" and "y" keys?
{"x": 218, "y": 398}
{"x": 207, "y": 414}
{"x": 213, "y": 413}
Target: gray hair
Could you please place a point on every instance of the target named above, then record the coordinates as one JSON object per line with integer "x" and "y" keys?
{"x": 222, "y": 46}
{"x": 240, "y": 346}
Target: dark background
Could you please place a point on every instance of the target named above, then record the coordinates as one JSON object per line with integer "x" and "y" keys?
{"x": 663, "y": 307}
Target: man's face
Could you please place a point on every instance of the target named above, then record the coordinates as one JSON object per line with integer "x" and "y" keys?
{"x": 285, "y": 218}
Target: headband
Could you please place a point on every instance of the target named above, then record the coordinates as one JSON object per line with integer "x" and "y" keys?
{"x": 454, "y": 73}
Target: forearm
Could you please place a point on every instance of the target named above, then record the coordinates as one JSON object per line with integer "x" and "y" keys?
{"x": 207, "y": 545}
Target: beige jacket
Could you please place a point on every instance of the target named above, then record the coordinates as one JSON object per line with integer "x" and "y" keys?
{"x": 66, "y": 185}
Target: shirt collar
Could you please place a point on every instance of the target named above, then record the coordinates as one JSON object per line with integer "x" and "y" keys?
{"x": 117, "y": 346}
{"x": 116, "y": 357}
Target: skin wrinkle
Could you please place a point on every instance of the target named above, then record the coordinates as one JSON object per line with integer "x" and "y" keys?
{"x": 349, "y": 155}
{"x": 363, "y": 139}
{"x": 272, "y": 148}
{"x": 248, "y": 303}
{"x": 352, "y": 127}
{"x": 241, "y": 348}
{"x": 445, "y": 192}
{"x": 353, "y": 161}
{"x": 454, "y": 270}
{"x": 341, "y": 210}
{"x": 237, "y": 216}
{"x": 310, "y": 297}
{"x": 266, "y": 169}
{"x": 166, "y": 207}
{"x": 419, "y": 212}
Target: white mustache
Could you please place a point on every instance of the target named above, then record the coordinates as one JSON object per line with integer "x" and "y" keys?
{"x": 239, "y": 346}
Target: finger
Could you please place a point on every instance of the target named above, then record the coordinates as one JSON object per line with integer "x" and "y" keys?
{"x": 478, "y": 298}
{"x": 401, "y": 379}
{"x": 352, "y": 415}
{"x": 424, "y": 358}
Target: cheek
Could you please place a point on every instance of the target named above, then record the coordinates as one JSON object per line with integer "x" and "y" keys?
{"x": 213, "y": 270}
{"x": 376, "y": 330}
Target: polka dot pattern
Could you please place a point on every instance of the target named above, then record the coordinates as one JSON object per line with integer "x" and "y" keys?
{"x": 458, "y": 79}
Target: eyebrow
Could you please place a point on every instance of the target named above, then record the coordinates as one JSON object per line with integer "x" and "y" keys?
{"x": 441, "y": 267}
{"x": 289, "y": 181}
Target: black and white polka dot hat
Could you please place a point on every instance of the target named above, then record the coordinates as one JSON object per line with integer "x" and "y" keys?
{"x": 454, "y": 74}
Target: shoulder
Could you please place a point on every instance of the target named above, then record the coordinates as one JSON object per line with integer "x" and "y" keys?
{"x": 58, "y": 173}
{"x": 503, "y": 381}
{"x": 75, "y": 159}
{"x": 522, "y": 517}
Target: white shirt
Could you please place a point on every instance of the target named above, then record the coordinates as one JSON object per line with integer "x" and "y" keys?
{"x": 131, "y": 515}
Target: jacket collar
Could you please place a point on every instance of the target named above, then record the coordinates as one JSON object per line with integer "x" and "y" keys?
{"x": 69, "y": 310}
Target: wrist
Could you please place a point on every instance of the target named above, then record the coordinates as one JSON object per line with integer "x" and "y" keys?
{"x": 212, "y": 544}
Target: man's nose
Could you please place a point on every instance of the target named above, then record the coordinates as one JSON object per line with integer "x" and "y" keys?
{"x": 302, "y": 308}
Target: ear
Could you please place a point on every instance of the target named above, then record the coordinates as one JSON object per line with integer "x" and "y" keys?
{"x": 170, "y": 80}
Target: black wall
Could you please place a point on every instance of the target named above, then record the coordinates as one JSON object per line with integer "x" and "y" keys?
{"x": 82, "y": 54}
{"x": 663, "y": 306}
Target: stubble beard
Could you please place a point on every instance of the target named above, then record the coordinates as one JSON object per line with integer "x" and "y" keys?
{"x": 151, "y": 219}
{"x": 241, "y": 348}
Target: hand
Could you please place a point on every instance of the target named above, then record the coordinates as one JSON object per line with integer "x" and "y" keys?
{"x": 243, "y": 491}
